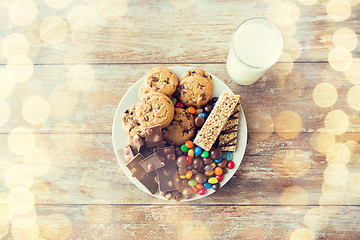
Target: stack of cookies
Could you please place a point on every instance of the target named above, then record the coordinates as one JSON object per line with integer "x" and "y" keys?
{"x": 189, "y": 125}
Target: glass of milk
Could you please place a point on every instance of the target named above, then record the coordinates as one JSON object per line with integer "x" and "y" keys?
{"x": 256, "y": 45}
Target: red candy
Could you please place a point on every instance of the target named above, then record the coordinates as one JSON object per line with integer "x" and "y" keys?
{"x": 179, "y": 105}
{"x": 195, "y": 189}
{"x": 188, "y": 160}
{"x": 219, "y": 177}
{"x": 202, "y": 191}
{"x": 230, "y": 165}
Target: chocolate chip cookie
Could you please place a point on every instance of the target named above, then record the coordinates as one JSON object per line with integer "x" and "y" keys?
{"x": 160, "y": 79}
{"x": 181, "y": 128}
{"x": 195, "y": 91}
{"x": 196, "y": 72}
{"x": 152, "y": 109}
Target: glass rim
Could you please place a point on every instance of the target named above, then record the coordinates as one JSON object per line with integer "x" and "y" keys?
{"x": 273, "y": 25}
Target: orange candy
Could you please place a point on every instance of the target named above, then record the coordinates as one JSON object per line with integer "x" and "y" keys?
{"x": 191, "y": 110}
{"x": 188, "y": 174}
{"x": 218, "y": 171}
{"x": 189, "y": 144}
{"x": 199, "y": 186}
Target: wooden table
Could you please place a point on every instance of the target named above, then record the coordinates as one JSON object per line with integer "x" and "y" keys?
{"x": 72, "y": 61}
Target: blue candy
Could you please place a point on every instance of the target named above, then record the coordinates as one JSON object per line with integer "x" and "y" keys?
{"x": 214, "y": 104}
{"x": 218, "y": 160}
{"x": 198, "y": 151}
{"x": 207, "y": 185}
{"x": 223, "y": 155}
{"x": 203, "y": 115}
{"x": 229, "y": 156}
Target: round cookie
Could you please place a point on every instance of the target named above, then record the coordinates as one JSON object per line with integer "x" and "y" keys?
{"x": 195, "y": 91}
{"x": 160, "y": 79}
{"x": 198, "y": 72}
{"x": 127, "y": 119}
{"x": 181, "y": 128}
{"x": 152, "y": 109}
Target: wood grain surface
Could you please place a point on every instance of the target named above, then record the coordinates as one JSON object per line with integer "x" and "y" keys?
{"x": 59, "y": 178}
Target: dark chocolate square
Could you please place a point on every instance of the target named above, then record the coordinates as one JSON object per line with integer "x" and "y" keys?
{"x": 126, "y": 154}
{"x": 153, "y": 137}
{"x": 151, "y": 163}
{"x": 149, "y": 182}
{"x": 166, "y": 153}
{"x": 135, "y": 168}
{"x": 166, "y": 177}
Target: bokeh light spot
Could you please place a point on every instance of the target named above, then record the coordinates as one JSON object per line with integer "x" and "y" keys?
{"x": 283, "y": 12}
{"x": 98, "y": 212}
{"x": 58, "y": 4}
{"x": 287, "y": 30}
{"x": 24, "y": 221}
{"x": 353, "y": 97}
{"x": 53, "y": 30}
{"x": 338, "y": 153}
{"x": 261, "y": 125}
{"x": 335, "y": 175}
{"x": 288, "y": 124}
{"x": 316, "y": 219}
{"x": 18, "y": 176}
{"x": 331, "y": 197}
{"x": 353, "y": 73}
{"x": 294, "y": 195}
{"x": 4, "y": 229}
{"x": 14, "y": 44}
{"x": 325, "y": 95}
{"x": 340, "y": 59}
{"x": 35, "y": 110}
{"x": 86, "y": 17}
{"x": 308, "y": 2}
{"x": 21, "y": 140}
{"x": 38, "y": 161}
{"x": 5, "y": 111}
{"x": 302, "y": 234}
{"x": 81, "y": 77}
{"x": 322, "y": 140}
{"x": 291, "y": 163}
{"x": 20, "y": 68}
{"x": 346, "y": 38}
{"x": 4, "y": 210}
{"x": 30, "y": 233}
{"x": 354, "y": 149}
{"x": 62, "y": 102}
{"x": 336, "y": 122}
{"x": 354, "y": 2}
{"x": 114, "y": 10}
{"x": 6, "y": 84}
{"x": 56, "y": 227}
{"x": 22, "y": 12}
{"x": 338, "y": 10}
{"x": 21, "y": 200}
{"x": 292, "y": 47}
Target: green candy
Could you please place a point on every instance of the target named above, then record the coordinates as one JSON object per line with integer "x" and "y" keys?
{"x": 192, "y": 183}
{"x": 184, "y": 149}
{"x": 204, "y": 154}
{"x": 174, "y": 100}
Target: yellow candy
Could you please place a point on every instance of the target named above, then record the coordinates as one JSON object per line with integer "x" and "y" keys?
{"x": 213, "y": 180}
{"x": 191, "y": 152}
{"x": 182, "y": 176}
{"x": 213, "y": 165}
{"x": 209, "y": 173}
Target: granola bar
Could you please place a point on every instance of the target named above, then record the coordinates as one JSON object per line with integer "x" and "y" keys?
{"x": 229, "y": 134}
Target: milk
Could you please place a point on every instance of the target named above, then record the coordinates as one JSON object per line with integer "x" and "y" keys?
{"x": 256, "y": 45}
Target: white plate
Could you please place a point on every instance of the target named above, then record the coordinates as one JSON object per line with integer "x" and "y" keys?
{"x": 119, "y": 136}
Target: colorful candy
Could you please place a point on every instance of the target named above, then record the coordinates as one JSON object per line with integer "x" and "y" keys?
{"x": 202, "y": 191}
{"x": 182, "y": 176}
{"x": 213, "y": 180}
{"x": 199, "y": 186}
{"x": 191, "y": 110}
{"x": 229, "y": 156}
{"x": 218, "y": 171}
{"x": 213, "y": 165}
{"x": 174, "y": 100}
{"x": 193, "y": 182}
{"x": 219, "y": 177}
{"x": 188, "y": 160}
{"x": 215, "y": 186}
{"x": 195, "y": 189}
{"x": 208, "y": 168}
{"x": 189, "y": 144}
{"x": 198, "y": 111}
{"x": 188, "y": 174}
{"x": 230, "y": 165}
{"x": 218, "y": 160}
{"x": 191, "y": 152}
{"x": 199, "y": 121}
{"x": 204, "y": 154}
{"x": 203, "y": 115}
{"x": 207, "y": 185}
{"x": 198, "y": 151}
{"x": 184, "y": 148}
{"x": 179, "y": 105}
{"x": 209, "y": 173}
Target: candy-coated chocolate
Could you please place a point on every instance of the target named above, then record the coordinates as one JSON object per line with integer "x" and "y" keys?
{"x": 178, "y": 151}
{"x": 199, "y": 121}
{"x": 213, "y": 165}
{"x": 208, "y": 108}
{"x": 181, "y": 161}
{"x": 182, "y": 170}
{"x": 215, "y": 186}
{"x": 198, "y": 151}
{"x": 189, "y": 144}
{"x": 204, "y": 154}
{"x": 222, "y": 164}
{"x": 191, "y": 153}
{"x": 179, "y": 105}
{"x": 229, "y": 156}
{"x": 188, "y": 174}
{"x": 209, "y": 173}
{"x": 202, "y": 191}
{"x": 213, "y": 180}
{"x": 214, "y": 104}
{"x": 215, "y": 153}
{"x": 203, "y": 115}
{"x": 184, "y": 182}
{"x": 198, "y": 111}
{"x": 217, "y": 160}
{"x": 191, "y": 110}
{"x": 200, "y": 178}
{"x": 197, "y": 163}
{"x": 195, "y": 189}
{"x": 208, "y": 168}
{"x": 207, "y": 161}
{"x": 184, "y": 149}
{"x": 219, "y": 177}
{"x": 192, "y": 182}
{"x": 174, "y": 100}
{"x": 230, "y": 165}
{"x": 218, "y": 171}
{"x": 194, "y": 171}
{"x": 207, "y": 185}
{"x": 187, "y": 192}
{"x": 199, "y": 186}
{"x": 188, "y": 160}
{"x": 182, "y": 176}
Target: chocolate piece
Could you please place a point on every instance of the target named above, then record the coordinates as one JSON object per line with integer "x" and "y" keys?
{"x": 216, "y": 154}
{"x": 222, "y": 164}
{"x": 149, "y": 182}
{"x": 151, "y": 163}
{"x": 182, "y": 170}
{"x": 208, "y": 108}
{"x": 228, "y": 135}
{"x": 153, "y": 136}
{"x": 215, "y": 186}
{"x": 138, "y": 143}
{"x": 135, "y": 168}
{"x": 200, "y": 178}
{"x": 178, "y": 151}
{"x": 207, "y": 160}
{"x": 197, "y": 163}
{"x": 181, "y": 162}
{"x": 184, "y": 182}
{"x": 126, "y": 154}
{"x": 145, "y": 151}
{"x": 216, "y": 120}
{"x": 194, "y": 171}
{"x": 166, "y": 176}
{"x": 199, "y": 121}
{"x": 166, "y": 153}
{"x": 169, "y": 195}
{"x": 187, "y": 192}
{"x": 178, "y": 196}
